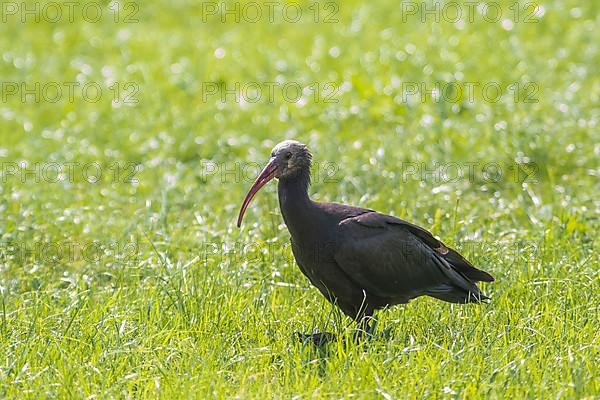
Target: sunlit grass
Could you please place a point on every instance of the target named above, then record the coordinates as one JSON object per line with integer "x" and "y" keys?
{"x": 145, "y": 288}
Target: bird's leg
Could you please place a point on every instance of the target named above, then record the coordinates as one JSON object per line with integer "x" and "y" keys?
{"x": 317, "y": 339}
{"x": 366, "y": 326}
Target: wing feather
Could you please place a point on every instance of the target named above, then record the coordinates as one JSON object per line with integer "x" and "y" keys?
{"x": 392, "y": 258}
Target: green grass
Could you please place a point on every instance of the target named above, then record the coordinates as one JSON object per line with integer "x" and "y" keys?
{"x": 147, "y": 289}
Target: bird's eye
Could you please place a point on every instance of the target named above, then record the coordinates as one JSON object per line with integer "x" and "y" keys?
{"x": 288, "y": 155}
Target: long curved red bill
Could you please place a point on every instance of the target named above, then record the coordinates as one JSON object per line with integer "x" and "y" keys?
{"x": 265, "y": 176}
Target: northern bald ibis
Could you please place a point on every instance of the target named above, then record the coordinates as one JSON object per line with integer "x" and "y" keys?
{"x": 359, "y": 259}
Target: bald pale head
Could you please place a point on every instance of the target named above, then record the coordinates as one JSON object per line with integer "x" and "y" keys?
{"x": 291, "y": 157}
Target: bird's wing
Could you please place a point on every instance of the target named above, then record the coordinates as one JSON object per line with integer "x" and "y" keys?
{"x": 393, "y": 258}
{"x": 454, "y": 258}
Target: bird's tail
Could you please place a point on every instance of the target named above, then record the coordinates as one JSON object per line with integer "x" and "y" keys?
{"x": 460, "y": 286}
{"x": 466, "y": 268}
{"x": 457, "y": 295}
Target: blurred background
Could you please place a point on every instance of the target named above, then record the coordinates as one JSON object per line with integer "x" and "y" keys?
{"x": 196, "y": 94}
{"x": 135, "y": 128}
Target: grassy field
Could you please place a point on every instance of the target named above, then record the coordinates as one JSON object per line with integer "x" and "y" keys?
{"x": 129, "y": 138}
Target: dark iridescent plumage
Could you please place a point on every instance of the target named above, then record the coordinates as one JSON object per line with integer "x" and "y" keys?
{"x": 359, "y": 259}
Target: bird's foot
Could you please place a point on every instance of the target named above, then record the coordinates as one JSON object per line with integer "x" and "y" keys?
{"x": 318, "y": 339}
{"x": 360, "y": 335}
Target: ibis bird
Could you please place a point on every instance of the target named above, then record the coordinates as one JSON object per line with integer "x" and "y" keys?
{"x": 359, "y": 259}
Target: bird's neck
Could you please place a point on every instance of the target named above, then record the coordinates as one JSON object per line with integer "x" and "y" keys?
{"x": 294, "y": 202}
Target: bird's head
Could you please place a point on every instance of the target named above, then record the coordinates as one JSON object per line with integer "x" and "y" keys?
{"x": 288, "y": 159}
